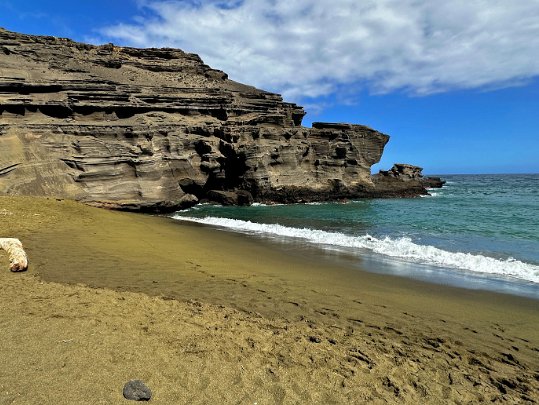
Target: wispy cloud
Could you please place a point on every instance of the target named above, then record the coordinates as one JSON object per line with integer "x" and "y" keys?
{"x": 311, "y": 48}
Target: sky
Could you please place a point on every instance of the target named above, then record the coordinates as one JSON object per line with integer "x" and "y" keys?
{"x": 455, "y": 83}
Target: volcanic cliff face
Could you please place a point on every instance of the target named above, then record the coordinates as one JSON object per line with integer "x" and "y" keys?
{"x": 157, "y": 129}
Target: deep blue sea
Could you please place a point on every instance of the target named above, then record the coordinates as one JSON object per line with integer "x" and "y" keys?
{"x": 478, "y": 231}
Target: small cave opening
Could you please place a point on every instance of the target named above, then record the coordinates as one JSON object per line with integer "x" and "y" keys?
{"x": 220, "y": 114}
{"x": 126, "y": 112}
{"x": 234, "y": 165}
{"x": 86, "y": 110}
{"x": 56, "y": 111}
{"x": 340, "y": 152}
{"x": 202, "y": 147}
{"x": 13, "y": 109}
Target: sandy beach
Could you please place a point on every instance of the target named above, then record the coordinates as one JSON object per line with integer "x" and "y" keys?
{"x": 205, "y": 316}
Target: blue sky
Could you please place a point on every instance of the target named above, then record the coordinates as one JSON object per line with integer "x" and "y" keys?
{"x": 455, "y": 85}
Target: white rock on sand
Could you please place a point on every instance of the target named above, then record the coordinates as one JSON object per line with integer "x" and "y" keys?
{"x": 17, "y": 256}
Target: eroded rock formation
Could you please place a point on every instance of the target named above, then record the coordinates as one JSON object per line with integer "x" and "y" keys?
{"x": 157, "y": 130}
{"x": 404, "y": 180}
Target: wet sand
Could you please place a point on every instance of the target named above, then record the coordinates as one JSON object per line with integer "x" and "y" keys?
{"x": 207, "y": 316}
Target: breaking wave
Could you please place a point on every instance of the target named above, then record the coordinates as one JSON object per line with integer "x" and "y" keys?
{"x": 399, "y": 248}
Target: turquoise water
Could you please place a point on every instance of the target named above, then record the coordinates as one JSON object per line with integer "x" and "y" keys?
{"x": 478, "y": 231}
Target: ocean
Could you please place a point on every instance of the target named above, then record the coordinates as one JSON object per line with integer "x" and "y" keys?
{"x": 478, "y": 232}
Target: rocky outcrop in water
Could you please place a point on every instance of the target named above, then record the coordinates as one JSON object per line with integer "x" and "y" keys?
{"x": 404, "y": 180}
{"x": 158, "y": 130}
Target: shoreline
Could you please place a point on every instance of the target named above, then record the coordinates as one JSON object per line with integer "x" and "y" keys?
{"x": 196, "y": 304}
{"x": 377, "y": 263}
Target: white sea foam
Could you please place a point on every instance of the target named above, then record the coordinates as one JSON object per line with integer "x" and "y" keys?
{"x": 400, "y": 248}
{"x": 256, "y": 204}
{"x": 202, "y": 206}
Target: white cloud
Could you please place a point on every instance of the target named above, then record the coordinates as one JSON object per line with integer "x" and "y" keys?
{"x": 310, "y": 48}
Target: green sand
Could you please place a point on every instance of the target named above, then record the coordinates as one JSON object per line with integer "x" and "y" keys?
{"x": 330, "y": 333}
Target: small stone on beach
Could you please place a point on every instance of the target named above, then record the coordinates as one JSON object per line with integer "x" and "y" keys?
{"x": 136, "y": 390}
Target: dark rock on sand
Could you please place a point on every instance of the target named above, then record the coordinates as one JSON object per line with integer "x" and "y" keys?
{"x": 157, "y": 130}
{"x": 136, "y": 390}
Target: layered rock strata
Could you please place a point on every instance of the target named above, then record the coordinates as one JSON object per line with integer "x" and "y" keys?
{"x": 158, "y": 130}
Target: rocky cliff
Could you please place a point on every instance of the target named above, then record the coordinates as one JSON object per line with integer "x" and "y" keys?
{"x": 157, "y": 130}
